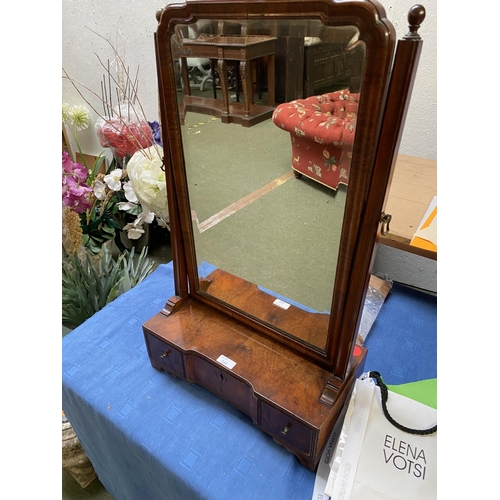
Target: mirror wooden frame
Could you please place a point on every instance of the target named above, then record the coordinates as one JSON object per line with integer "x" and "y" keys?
{"x": 225, "y": 354}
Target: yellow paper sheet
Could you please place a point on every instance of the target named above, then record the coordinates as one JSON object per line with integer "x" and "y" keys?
{"x": 426, "y": 235}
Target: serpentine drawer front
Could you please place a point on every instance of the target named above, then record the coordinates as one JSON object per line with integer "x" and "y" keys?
{"x": 226, "y": 385}
{"x": 221, "y": 382}
{"x": 195, "y": 356}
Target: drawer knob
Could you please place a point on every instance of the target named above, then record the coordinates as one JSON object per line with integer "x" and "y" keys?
{"x": 165, "y": 354}
{"x": 286, "y": 429}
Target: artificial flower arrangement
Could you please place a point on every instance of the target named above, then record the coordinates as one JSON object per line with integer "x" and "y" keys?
{"x": 101, "y": 199}
{"x": 93, "y": 202}
{"x": 100, "y": 203}
{"x": 132, "y": 191}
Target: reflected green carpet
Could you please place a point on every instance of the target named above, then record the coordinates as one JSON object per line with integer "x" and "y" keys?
{"x": 286, "y": 240}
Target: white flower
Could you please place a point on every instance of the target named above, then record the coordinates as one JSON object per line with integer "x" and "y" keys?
{"x": 148, "y": 180}
{"x": 113, "y": 179}
{"x": 129, "y": 192}
{"x": 65, "y": 112}
{"x": 126, "y": 205}
{"x": 79, "y": 117}
{"x": 133, "y": 232}
{"x": 145, "y": 216}
{"x": 99, "y": 190}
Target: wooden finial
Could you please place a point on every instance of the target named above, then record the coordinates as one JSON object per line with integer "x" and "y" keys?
{"x": 416, "y": 16}
{"x": 159, "y": 12}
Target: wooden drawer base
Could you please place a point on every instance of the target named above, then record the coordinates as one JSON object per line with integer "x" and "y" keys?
{"x": 278, "y": 389}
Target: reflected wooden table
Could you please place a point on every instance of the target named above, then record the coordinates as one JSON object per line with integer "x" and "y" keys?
{"x": 222, "y": 49}
{"x": 413, "y": 186}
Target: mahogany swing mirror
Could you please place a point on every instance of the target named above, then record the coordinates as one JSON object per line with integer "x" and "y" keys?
{"x": 281, "y": 121}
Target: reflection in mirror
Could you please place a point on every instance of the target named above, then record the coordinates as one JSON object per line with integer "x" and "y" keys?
{"x": 268, "y": 112}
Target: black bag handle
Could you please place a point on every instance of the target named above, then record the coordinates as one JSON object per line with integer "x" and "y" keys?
{"x": 384, "y": 392}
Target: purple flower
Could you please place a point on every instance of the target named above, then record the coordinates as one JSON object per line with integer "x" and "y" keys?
{"x": 156, "y": 129}
{"x": 74, "y": 189}
{"x": 66, "y": 161}
{"x": 74, "y": 168}
{"x": 77, "y": 203}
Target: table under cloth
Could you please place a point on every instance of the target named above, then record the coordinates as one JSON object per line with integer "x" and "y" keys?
{"x": 152, "y": 436}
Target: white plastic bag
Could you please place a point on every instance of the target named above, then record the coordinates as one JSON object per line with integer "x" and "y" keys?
{"x": 374, "y": 459}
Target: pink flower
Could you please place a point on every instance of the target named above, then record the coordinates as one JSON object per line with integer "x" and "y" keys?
{"x": 74, "y": 168}
{"x": 74, "y": 188}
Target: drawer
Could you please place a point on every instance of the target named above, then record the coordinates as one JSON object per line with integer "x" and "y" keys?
{"x": 165, "y": 356}
{"x": 223, "y": 383}
{"x": 286, "y": 429}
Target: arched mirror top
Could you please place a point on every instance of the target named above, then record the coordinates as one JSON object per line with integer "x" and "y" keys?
{"x": 242, "y": 84}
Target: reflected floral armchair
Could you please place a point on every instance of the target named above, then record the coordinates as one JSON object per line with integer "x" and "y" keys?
{"x": 322, "y": 131}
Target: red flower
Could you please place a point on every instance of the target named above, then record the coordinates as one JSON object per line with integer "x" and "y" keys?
{"x": 125, "y": 137}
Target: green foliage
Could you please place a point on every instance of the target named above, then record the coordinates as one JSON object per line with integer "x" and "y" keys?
{"x": 101, "y": 223}
{"x": 100, "y": 230}
{"x": 87, "y": 286}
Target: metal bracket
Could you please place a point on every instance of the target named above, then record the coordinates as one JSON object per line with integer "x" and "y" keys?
{"x": 385, "y": 220}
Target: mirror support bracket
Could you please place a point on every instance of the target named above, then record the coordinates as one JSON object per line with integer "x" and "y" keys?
{"x": 331, "y": 391}
{"x": 172, "y": 304}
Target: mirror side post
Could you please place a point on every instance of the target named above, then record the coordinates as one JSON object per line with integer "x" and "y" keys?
{"x": 403, "y": 76}
{"x": 179, "y": 263}
{"x": 398, "y": 99}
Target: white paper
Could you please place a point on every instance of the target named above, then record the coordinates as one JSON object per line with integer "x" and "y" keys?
{"x": 429, "y": 233}
{"x": 281, "y": 303}
{"x": 430, "y": 208}
{"x": 323, "y": 471}
{"x": 229, "y": 363}
{"x": 391, "y": 461}
{"x": 351, "y": 454}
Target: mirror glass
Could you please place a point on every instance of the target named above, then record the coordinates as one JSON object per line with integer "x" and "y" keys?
{"x": 268, "y": 162}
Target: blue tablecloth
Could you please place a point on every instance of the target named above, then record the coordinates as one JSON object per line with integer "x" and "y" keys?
{"x": 152, "y": 436}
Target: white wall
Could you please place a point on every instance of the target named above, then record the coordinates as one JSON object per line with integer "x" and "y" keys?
{"x": 419, "y": 139}
{"x": 420, "y": 133}
{"x": 406, "y": 268}
{"x": 131, "y": 25}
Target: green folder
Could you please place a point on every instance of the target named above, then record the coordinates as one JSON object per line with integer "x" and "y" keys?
{"x": 423, "y": 391}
